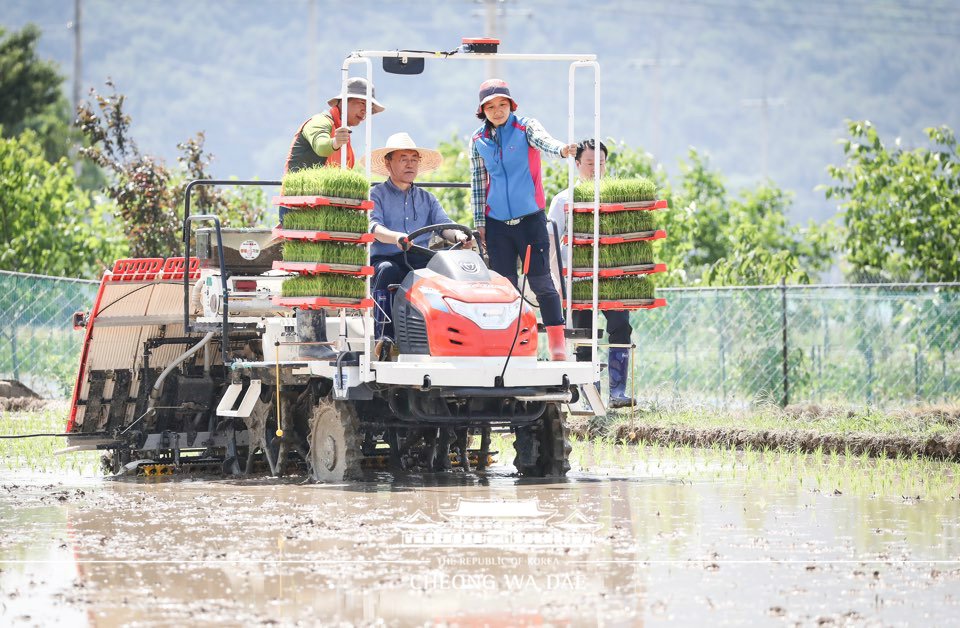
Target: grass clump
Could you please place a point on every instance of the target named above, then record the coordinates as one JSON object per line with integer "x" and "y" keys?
{"x": 615, "y": 255}
{"x": 343, "y": 286}
{"x": 325, "y": 252}
{"x": 612, "y": 223}
{"x": 323, "y": 181}
{"x": 326, "y": 219}
{"x": 617, "y": 191}
{"x": 615, "y": 288}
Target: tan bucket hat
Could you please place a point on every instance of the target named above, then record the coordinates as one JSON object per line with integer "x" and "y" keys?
{"x": 357, "y": 88}
{"x": 429, "y": 159}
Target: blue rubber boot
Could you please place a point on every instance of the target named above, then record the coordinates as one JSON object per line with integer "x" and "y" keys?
{"x": 619, "y": 360}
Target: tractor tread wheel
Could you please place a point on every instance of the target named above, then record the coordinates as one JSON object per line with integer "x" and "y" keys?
{"x": 335, "y": 441}
{"x": 555, "y": 443}
{"x": 551, "y": 447}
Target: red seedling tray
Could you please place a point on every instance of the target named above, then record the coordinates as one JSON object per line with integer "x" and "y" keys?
{"x": 659, "y": 234}
{"x": 321, "y": 236}
{"x": 605, "y": 208}
{"x": 313, "y": 268}
{"x": 638, "y": 304}
{"x": 320, "y": 201}
{"x": 316, "y": 303}
{"x": 639, "y": 269}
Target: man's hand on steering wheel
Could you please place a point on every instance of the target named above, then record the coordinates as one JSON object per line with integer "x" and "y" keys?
{"x": 462, "y": 235}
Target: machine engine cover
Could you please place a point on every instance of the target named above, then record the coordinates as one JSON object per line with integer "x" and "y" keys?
{"x": 426, "y": 322}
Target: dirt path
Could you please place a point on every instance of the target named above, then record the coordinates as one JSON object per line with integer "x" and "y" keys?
{"x": 621, "y": 546}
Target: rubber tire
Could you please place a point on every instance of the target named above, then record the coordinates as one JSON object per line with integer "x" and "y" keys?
{"x": 551, "y": 445}
{"x": 335, "y": 441}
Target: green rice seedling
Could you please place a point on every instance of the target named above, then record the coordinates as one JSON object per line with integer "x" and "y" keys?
{"x": 617, "y": 191}
{"x": 328, "y": 285}
{"x": 615, "y": 288}
{"x": 325, "y": 252}
{"x": 327, "y": 219}
{"x": 614, "y": 255}
{"x": 612, "y": 223}
{"x": 323, "y": 181}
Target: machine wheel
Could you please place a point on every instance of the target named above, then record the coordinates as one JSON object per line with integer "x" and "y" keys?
{"x": 544, "y": 450}
{"x": 335, "y": 451}
{"x": 262, "y": 426}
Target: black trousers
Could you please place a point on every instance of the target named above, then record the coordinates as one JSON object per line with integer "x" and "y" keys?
{"x": 506, "y": 244}
{"x": 618, "y": 328}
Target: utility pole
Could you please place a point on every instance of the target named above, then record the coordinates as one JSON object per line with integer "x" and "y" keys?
{"x": 77, "y": 53}
{"x": 655, "y": 64}
{"x": 496, "y": 27}
{"x": 764, "y": 104}
{"x": 491, "y": 11}
{"x": 313, "y": 98}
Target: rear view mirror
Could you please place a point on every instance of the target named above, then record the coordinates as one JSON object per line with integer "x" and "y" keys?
{"x": 403, "y": 65}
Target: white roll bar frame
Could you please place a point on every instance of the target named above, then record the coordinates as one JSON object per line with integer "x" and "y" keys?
{"x": 576, "y": 61}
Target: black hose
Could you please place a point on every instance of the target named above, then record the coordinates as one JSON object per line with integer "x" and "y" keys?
{"x": 86, "y": 434}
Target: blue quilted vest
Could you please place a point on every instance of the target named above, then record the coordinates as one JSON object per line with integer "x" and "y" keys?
{"x": 515, "y": 182}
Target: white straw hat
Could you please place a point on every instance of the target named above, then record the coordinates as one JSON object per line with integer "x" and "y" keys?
{"x": 429, "y": 159}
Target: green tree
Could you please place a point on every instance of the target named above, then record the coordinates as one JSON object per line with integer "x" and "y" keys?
{"x": 47, "y": 224}
{"x": 147, "y": 195}
{"x": 900, "y": 208}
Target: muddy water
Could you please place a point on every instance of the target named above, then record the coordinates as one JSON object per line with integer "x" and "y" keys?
{"x": 641, "y": 543}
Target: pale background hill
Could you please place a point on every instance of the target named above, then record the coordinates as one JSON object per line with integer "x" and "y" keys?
{"x": 240, "y": 71}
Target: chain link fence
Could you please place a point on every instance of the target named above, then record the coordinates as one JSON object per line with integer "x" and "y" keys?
{"x": 871, "y": 344}
{"x": 38, "y": 345}
{"x": 853, "y": 344}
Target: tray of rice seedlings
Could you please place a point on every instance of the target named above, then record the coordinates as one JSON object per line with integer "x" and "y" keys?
{"x": 636, "y": 269}
{"x": 614, "y": 223}
{"x": 325, "y": 290}
{"x": 318, "y": 186}
{"x": 659, "y": 234}
{"x": 617, "y": 293}
{"x": 324, "y": 257}
{"x": 326, "y": 219}
{"x": 637, "y": 193}
{"x": 622, "y": 255}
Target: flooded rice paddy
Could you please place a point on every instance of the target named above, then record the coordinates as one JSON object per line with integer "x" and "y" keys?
{"x": 635, "y": 535}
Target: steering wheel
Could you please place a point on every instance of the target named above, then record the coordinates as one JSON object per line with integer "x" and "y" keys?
{"x": 406, "y": 244}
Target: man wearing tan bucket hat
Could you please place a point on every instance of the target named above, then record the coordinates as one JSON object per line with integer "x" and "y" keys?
{"x": 399, "y": 208}
{"x": 320, "y": 139}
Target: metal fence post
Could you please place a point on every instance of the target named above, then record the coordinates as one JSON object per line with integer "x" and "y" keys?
{"x": 783, "y": 325}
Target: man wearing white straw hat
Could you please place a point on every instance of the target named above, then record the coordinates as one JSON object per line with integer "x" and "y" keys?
{"x": 323, "y": 136}
{"x": 399, "y": 208}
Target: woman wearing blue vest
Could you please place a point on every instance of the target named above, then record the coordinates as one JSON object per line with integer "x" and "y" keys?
{"x": 508, "y": 200}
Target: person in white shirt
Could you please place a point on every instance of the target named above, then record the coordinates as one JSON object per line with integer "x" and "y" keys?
{"x": 618, "y": 321}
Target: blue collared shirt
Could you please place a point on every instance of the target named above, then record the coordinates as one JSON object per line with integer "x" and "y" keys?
{"x": 404, "y": 211}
